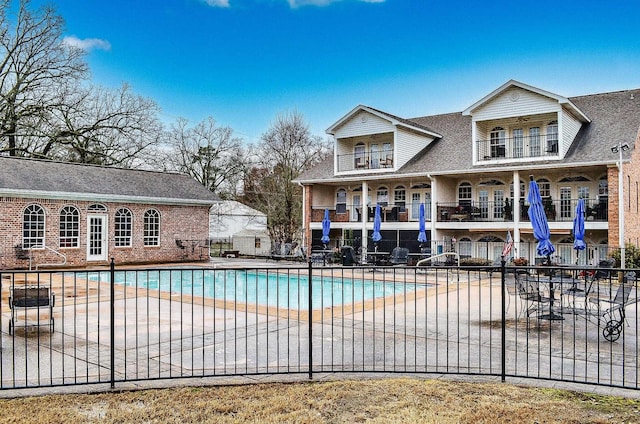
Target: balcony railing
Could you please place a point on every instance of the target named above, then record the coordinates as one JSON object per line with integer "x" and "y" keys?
{"x": 517, "y": 147}
{"x": 556, "y": 210}
{"x": 365, "y": 161}
{"x": 353, "y": 213}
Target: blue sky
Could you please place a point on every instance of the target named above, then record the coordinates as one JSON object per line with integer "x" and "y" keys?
{"x": 245, "y": 61}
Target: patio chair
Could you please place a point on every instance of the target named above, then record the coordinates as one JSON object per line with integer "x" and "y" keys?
{"x": 399, "y": 256}
{"x": 361, "y": 163}
{"x": 529, "y": 292}
{"x": 348, "y": 255}
{"x": 611, "y": 311}
{"x": 23, "y": 298}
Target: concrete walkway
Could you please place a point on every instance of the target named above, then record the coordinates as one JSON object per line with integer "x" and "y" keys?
{"x": 437, "y": 323}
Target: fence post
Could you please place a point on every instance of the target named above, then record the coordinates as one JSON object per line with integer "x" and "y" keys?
{"x": 310, "y": 268}
{"x": 503, "y": 349}
{"x": 112, "y": 274}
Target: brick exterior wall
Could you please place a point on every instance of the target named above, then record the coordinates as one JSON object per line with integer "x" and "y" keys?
{"x": 176, "y": 222}
{"x": 631, "y": 182}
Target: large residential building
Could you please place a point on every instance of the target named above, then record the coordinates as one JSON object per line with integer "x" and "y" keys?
{"x": 64, "y": 214}
{"x": 471, "y": 171}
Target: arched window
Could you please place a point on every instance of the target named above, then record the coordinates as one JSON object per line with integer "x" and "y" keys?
{"x": 545, "y": 187}
{"x": 123, "y": 227}
{"x": 465, "y": 247}
{"x": 33, "y": 226}
{"x": 69, "y": 227}
{"x": 464, "y": 194}
{"x": 382, "y": 196}
{"x": 151, "y": 234}
{"x": 498, "y": 142}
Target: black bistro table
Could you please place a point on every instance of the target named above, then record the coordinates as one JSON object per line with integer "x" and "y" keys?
{"x": 379, "y": 257}
{"x": 556, "y": 282}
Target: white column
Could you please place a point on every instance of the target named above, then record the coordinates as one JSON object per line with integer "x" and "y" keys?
{"x": 621, "y": 209}
{"x": 434, "y": 212}
{"x": 365, "y": 218}
{"x": 516, "y": 207}
{"x": 516, "y": 213}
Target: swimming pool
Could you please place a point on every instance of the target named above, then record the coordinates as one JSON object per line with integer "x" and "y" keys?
{"x": 264, "y": 288}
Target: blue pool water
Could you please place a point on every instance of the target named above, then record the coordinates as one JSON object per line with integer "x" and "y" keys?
{"x": 290, "y": 291}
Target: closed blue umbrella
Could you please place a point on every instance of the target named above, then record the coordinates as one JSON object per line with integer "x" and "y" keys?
{"x": 377, "y": 220}
{"x": 578, "y": 228}
{"x": 326, "y": 227}
{"x": 539, "y": 222}
{"x": 422, "y": 233}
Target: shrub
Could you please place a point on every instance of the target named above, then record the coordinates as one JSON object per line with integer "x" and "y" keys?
{"x": 475, "y": 262}
{"x": 631, "y": 256}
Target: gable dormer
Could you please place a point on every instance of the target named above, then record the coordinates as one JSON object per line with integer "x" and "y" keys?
{"x": 369, "y": 140}
{"x": 521, "y": 123}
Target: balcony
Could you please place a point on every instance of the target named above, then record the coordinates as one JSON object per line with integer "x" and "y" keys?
{"x": 353, "y": 213}
{"x": 365, "y": 161}
{"x": 556, "y": 210}
{"x": 539, "y": 146}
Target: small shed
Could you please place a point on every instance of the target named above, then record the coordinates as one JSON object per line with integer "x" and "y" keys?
{"x": 228, "y": 217}
{"x": 252, "y": 242}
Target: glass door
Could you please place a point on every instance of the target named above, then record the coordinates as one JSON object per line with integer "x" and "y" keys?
{"x": 96, "y": 237}
{"x": 375, "y": 156}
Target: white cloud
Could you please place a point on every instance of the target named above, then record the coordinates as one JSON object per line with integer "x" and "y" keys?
{"x": 87, "y": 44}
{"x": 300, "y": 3}
{"x": 218, "y": 3}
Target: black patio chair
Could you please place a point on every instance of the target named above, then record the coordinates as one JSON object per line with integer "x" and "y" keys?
{"x": 399, "y": 256}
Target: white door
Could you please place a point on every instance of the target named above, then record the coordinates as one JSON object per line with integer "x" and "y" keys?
{"x": 96, "y": 238}
{"x": 375, "y": 157}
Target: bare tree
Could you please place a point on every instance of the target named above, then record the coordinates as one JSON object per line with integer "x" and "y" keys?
{"x": 98, "y": 126}
{"x": 34, "y": 63}
{"x": 210, "y": 154}
{"x": 283, "y": 152}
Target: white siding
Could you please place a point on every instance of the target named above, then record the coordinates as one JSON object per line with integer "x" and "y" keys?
{"x": 483, "y": 129}
{"x": 570, "y": 128}
{"x": 515, "y": 102}
{"x": 407, "y": 146}
{"x": 363, "y": 123}
{"x": 245, "y": 243}
{"x": 229, "y": 217}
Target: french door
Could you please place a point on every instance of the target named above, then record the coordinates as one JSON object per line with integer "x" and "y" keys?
{"x": 97, "y": 237}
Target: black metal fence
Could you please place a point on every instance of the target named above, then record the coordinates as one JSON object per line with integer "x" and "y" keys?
{"x": 564, "y": 324}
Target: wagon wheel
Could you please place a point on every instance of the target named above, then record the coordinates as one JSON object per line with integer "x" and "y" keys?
{"x": 612, "y": 330}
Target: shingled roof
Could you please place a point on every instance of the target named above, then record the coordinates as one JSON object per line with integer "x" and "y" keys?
{"x": 614, "y": 117}
{"x": 47, "y": 179}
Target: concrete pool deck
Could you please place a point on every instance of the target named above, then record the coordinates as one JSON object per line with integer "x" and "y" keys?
{"x": 170, "y": 335}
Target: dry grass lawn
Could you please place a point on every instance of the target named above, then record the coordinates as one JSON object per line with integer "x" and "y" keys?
{"x": 375, "y": 401}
